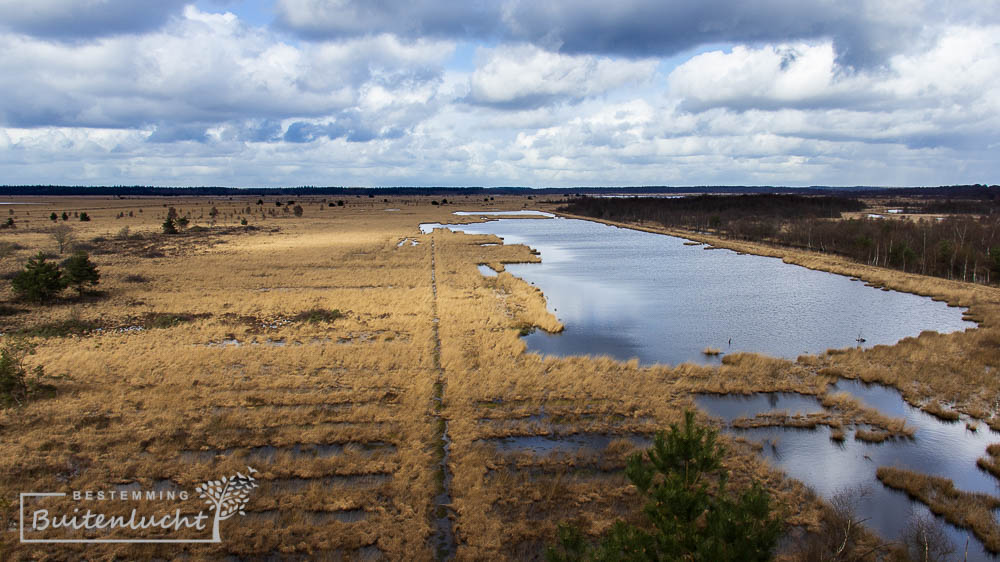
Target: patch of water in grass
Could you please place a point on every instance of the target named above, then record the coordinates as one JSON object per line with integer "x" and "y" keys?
{"x": 938, "y": 448}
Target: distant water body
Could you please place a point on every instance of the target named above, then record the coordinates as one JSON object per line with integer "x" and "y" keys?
{"x": 632, "y": 294}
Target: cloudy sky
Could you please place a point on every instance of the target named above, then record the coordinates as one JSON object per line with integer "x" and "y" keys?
{"x": 499, "y": 92}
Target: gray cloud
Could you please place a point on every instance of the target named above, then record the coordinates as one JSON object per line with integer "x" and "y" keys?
{"x": 168, "y": 132}
{"x": 864, "y": 33}
{"x": 75, "y": 19}
{"x": 407, "y": 18}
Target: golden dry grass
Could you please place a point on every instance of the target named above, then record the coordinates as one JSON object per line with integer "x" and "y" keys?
{"x": 339, "y": 416}
{"x": 349, "y": 405}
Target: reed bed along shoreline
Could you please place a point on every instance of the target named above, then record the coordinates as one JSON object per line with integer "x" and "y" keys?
{"x": 218, "y": 348}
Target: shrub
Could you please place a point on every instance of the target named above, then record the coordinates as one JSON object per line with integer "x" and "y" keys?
{"x": 685, "y": 519}
{"x": 297, "y": 210}
{"x": 7, "y": 310}
{"x": 80, "y": 271}
{"x": 243, "y": 221}
{"x": 525, "y": 329}
{"x": 135, "y": 278}
{"x": 65, "y": 216}
{"x": 84, "y": 217}
{"x": 317, "y": 315}
{"x": 8, "y": 249}
{"x": 53, "y": 217}
{"x": 72, "y": 327}
{"x": 15, "y": 385}
{"x": 40, "y": 281}
{"x": 169, "y": 227}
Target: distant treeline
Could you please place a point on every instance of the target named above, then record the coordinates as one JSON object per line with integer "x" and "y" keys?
{"x": 960, "y": 247}
{"x": 713, "y": 211}
{"x": 976, "y": 191}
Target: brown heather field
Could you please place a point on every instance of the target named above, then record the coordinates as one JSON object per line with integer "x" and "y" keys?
{"x": 207, "y": 351}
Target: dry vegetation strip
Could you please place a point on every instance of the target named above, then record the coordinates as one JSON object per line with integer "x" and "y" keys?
{"x": 963, "y": 509}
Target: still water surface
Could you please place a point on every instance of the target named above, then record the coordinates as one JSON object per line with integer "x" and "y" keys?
{"x": 627, "y": 293}
{"x": 810, "y": 456}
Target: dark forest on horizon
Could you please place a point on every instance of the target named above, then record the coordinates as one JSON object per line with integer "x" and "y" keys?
{"x": 962, "y": 246}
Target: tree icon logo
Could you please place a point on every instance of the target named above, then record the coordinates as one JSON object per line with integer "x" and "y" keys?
{"x": 228, "y": 496}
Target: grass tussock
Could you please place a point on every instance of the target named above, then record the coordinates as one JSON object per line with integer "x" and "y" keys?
{"x": 963, "y": 509}
{"x": 937, "y": 410}
{"x": 711, "y": 351}
{"x": 991, "y": 462}
{"x": 164, "y": 320}
{"x": 852, "y": 411}
{"x": 319, "y": 315}
{"x": 869, "y": 436}
{"x": 782, "y": 419}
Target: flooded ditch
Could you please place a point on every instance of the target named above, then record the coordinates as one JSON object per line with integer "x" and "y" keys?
{"x": 938, "y": 448}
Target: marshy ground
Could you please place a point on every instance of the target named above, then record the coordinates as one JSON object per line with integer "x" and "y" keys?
{"x": 376, "y": 380}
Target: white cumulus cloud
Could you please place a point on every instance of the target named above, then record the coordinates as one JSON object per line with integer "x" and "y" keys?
{"x": 525, "y": 76}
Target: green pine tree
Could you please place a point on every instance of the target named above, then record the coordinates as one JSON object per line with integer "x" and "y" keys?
{"x": 690, "y": 514}
{"x": 40, "y": 281}
{"x": 169, "y": 227}
{"x": 80, "y": 271}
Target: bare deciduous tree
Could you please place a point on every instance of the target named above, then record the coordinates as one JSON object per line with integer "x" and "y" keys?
{"x": 63, "y": 235}
{"x": 926, "y": 541}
